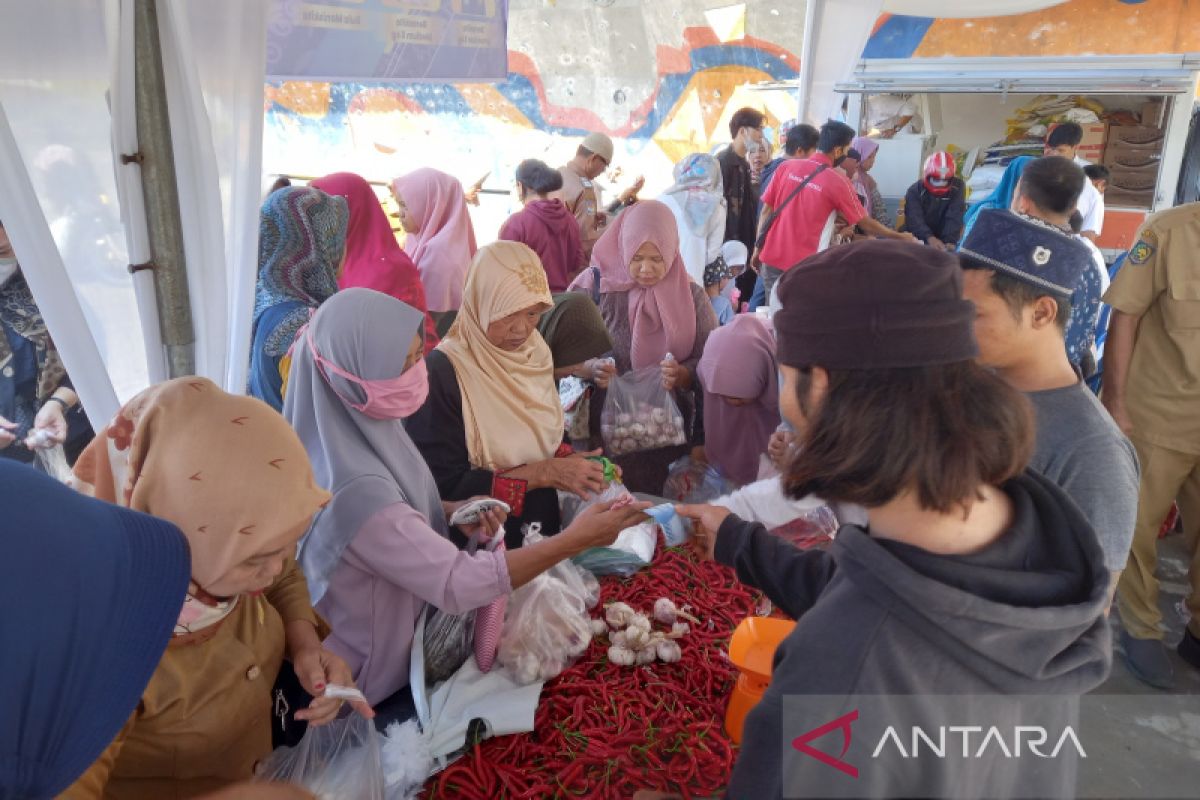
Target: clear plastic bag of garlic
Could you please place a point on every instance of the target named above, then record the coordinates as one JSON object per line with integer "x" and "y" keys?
{"x": 639, "y": 414}
{"x": 546, "y": 624}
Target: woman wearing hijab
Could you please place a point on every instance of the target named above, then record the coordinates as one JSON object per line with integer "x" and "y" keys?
{"x": 545, "y": 224}
{"x": 441, "y": 239}
{"x": 36, "y": 398}
{"x": 381, "y": 550}
{"x": 864, "y": 185}
{"x": 493, "y": 424}
{"x": 652, "y": 310}
{"x": 301, "y": 244}
{"x": 1002, "y": 196}
{"x": 234, "y": 478}
{"x": 741, "y": 397}
{"x": 576, "y": 335}
{"x": 373, "y": 258}
{"x": 70, "y": 686}
{"x": 698, "y": 203}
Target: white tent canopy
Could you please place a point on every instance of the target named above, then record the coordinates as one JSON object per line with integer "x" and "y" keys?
{"x": 75, "y": 212}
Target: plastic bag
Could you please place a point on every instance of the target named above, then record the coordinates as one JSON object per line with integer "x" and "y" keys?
{"x": 338, "y": 761}
{"x": 634, "y": 547}
{"x": 694, "y": 482}
{"x": 811, "y": 528}
{"x": 639, "y": 414}
{"x": 449, "y": 638}
{"x": 547, "y": 626}
{"x": 53, "y": 462}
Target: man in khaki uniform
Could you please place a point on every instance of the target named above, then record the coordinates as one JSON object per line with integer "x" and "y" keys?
{"x": 580, "y": 192}
{"x": 1152, "y": 390}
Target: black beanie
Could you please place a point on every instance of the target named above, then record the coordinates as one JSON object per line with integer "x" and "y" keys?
{"x": 875, "y": 304}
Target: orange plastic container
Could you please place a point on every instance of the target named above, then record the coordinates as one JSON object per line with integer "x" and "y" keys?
{"x": 752, "y": 651}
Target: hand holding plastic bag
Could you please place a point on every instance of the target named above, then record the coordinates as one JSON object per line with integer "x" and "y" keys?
{"x": 639, "y": 414}
{"x": 634, "y": 547}
{"x": 339, "y": 761}
{"x": 547, "y": 625}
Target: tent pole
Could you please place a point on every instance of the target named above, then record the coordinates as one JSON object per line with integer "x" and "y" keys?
{"x": 162, "y": 194}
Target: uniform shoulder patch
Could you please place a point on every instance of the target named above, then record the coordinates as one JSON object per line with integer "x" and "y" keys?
{"x": 1143, "y": 251}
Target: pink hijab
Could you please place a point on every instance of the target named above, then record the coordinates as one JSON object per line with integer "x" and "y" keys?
{"x": 739, "y": 361}
{"x": 374, "y": 259}
{"x": 444, "y": 243}
{"x": 662, "y": 318}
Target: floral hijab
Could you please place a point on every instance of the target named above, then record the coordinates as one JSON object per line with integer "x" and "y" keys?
{"x": 301, "y": 239}
{"x": 19, "y": 312}
{"x": 698, "y": 189}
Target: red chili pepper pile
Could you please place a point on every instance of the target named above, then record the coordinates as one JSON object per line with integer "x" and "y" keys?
{"x": 606, "y": 731}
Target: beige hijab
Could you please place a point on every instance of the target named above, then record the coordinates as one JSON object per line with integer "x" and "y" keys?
{"x": 227, "y": 470}
{"x": 510, "y": 402}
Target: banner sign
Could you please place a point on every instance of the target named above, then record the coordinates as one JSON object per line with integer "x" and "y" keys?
{"x": 446, "y": 41}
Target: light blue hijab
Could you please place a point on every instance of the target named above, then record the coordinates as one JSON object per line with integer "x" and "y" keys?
{"x": 1002, "y": 196}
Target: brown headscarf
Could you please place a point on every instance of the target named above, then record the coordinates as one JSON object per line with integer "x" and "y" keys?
{"x": 510, "y": 402}
{"x": 227, "y": 470}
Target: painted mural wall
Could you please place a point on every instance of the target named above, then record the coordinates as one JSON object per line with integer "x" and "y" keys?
{"x": 1079, "y": 27}
{"x": 662, "y": 78}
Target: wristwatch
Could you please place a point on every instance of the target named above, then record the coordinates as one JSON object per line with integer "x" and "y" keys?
{"x": 65, "y": 405}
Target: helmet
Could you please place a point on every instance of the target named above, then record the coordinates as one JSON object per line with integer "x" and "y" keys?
{"x": 939, "y": 169}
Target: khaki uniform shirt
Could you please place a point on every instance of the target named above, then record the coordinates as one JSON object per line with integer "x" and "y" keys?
{"x": 205, "y": 718}
{"x": 582, "y": 197}
{"x": 1160, "y": 283}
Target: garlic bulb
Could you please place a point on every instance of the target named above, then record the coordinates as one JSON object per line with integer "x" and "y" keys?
{"x": 668, "y": 651}
{"x": 621, "y": 656}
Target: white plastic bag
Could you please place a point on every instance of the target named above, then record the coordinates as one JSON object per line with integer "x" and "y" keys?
{"x": 639, "y": 414}
{"x": 338, "y": 761}
{"x": 547, "y": 625}
{"x": 634, "y": 547}
{"x": 53, "y": 462}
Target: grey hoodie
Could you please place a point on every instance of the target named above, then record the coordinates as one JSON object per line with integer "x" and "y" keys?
{"x": 1025, "y": 616}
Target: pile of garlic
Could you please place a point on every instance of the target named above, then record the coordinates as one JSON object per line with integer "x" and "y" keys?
{"x": 631, "y": 635}
{"x": 644, "y": 428}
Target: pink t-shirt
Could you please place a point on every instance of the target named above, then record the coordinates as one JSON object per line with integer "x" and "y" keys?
{"x": 393, "y": 567}
{"x": 796, "y": 233}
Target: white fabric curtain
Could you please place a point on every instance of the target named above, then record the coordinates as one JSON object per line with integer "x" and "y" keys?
{"x": 54, "y": 77}
{"x": 63, "y": 65}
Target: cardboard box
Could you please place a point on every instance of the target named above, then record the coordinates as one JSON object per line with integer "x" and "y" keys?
{"x": 1128, "y": 199}
{"x": 1140, "y": 135}
{"x": 1154, "y": 114}
{"x": 1133, "y": 179}
{"x": 1122, "y": 154}
{"x": 1094, "y": 139}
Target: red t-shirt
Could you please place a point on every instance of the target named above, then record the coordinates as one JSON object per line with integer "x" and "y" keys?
{"x": 796, "y": 232}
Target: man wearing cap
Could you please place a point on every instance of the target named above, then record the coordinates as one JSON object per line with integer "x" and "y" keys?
{"x": 973, "y": 575}
{"x": 1152, "y": 388}
{"x": 1019, "y": 272}
{"x": 580, "y": 192}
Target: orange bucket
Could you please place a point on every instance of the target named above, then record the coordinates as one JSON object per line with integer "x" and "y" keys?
{"x": 752, "y": 651}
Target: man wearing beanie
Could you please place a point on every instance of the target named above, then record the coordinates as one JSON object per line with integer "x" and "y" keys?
{"x": 973, "y": 576}
{"x": 1019, "y": 272}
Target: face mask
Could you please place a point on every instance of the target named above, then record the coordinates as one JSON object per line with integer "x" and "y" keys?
{"x": 394, "y": 398}
{"x": 8, "y": 268}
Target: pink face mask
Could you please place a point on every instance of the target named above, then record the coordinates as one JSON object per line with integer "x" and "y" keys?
{"x": 394, "y": 398}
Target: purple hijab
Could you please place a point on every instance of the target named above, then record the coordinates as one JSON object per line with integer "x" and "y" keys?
{"x": 739, "y": 361}
{"x": 864, "y": 184}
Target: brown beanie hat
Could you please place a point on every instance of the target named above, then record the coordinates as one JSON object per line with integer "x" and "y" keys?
{"x": 874, "y": 304}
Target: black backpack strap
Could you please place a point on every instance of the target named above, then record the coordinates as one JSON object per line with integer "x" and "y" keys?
{"x": 596, "y": 285}
{"x": 762, "y": 236}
